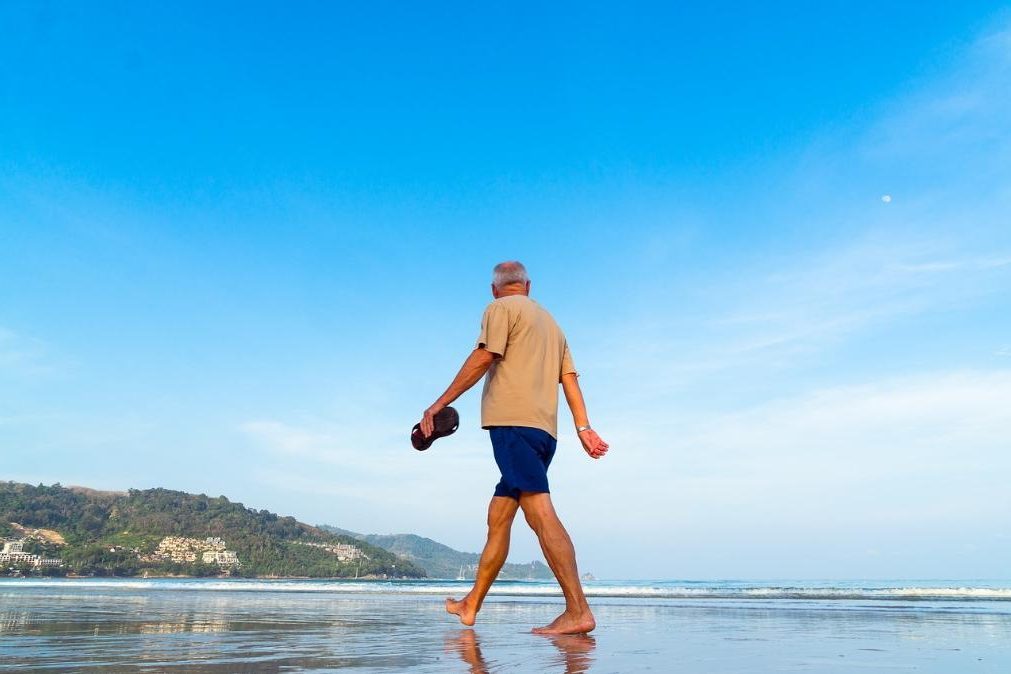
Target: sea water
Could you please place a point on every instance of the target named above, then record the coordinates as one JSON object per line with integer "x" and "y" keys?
{"x": 213, "y": 625}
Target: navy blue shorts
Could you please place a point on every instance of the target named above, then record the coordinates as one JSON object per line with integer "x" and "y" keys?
{"x": 523, "y": 455}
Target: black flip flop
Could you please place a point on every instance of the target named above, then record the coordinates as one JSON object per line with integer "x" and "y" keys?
{"x": 446, "y": 423}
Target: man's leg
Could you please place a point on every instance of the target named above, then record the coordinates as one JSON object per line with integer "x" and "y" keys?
{"x": 501, "y": 512}
{"x": 561, "y": 556}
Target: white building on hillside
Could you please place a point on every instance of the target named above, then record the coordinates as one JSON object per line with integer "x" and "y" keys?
{"x": 223, "y": 558}
{"x": 14, "y": 553}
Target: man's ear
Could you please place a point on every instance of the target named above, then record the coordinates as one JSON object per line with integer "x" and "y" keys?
{"x": 494, "y": 291}
{"x": 528, "y": 287}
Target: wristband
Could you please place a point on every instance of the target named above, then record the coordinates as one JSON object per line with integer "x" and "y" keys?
{"x": 580, "y": 429}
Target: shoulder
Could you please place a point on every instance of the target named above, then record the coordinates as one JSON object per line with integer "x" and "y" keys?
{"x": 529, "y": 311}
{"x": 535, "y": 308}
{"x": 495, "y": 306}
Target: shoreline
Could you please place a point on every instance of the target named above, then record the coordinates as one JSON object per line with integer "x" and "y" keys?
{"x": 967, "y": 593}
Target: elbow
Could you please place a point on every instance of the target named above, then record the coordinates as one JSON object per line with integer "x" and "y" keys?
{"x": 485, "y": 357}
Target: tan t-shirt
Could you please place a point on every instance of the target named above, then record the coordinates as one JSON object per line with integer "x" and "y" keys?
{"x": 521, "y": 387}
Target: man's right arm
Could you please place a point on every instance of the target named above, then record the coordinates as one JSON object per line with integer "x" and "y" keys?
{"x": 592, "y": 442}
{"x": 473, "y": 369}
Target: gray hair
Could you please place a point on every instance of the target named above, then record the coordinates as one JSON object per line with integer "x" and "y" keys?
{"x": 508, "y": 273}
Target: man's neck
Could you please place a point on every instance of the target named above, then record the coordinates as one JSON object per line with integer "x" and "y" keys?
{"x": 509, "y": 291}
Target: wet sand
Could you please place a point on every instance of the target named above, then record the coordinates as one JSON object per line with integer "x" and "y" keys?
{"x": 129, "y": 629}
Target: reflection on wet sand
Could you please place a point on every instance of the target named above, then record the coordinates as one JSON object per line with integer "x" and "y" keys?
{"x": 180, "y": 626}
{"x": 465, "y": 644}
{"x": 575, "y": 651}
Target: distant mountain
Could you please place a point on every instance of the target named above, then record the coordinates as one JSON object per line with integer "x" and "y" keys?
{"x": 441, "y": 561}
{"x": 57, "y": 530}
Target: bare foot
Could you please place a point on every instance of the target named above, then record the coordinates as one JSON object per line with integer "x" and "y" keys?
{"x": 569, "y": 623}
{"x": 462, "y": 609}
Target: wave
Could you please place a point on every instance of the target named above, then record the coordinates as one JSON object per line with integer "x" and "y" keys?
{"x": 606, "y": 589}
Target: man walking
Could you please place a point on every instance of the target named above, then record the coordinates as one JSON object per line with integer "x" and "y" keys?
{"x": 525, "y": 356}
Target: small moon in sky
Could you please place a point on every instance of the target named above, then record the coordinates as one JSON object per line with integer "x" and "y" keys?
{"x": 887, "y": 198}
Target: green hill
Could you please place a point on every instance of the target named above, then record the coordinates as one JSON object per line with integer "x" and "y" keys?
{"x": 442, "y": 561}
{"x": 117, "y": 533}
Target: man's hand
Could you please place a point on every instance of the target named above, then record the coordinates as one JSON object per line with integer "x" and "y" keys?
{"x": 592, "y": 443}
{"x": 428, "y": 418}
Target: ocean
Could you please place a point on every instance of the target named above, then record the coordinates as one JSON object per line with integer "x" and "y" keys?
{"x": 238, "y": 625}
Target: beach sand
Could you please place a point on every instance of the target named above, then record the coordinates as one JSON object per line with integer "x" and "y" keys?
{"x": 127, "y": 627}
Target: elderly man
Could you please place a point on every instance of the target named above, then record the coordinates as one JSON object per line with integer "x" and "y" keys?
{"x": 525, "y": 356}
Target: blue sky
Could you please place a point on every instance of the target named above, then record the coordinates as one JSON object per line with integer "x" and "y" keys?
{"x": 242, "y": 248}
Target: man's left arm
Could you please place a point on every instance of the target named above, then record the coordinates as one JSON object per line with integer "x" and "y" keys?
{"x": 593, "y": 444}
{"x": 473, "y": 369}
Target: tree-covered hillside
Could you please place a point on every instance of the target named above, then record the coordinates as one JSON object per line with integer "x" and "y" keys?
{"x": 119, "y": 533}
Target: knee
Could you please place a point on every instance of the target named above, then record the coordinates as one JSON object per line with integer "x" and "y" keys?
{"x": 500, "y": 522}
{"x": 497, "y": 526}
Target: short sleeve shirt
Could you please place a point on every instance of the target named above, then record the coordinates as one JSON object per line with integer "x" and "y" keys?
{"x": 521, "y": 387}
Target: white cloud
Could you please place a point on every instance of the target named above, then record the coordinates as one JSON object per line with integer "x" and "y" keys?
{"x": 943, "y": 417}
{"x": 783, "y": 318}
{"x": 965, "y": 108}
{"x": 920, "y": 451}
{"x": 319, "y": 446}
{"x": 281, "y": 437}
